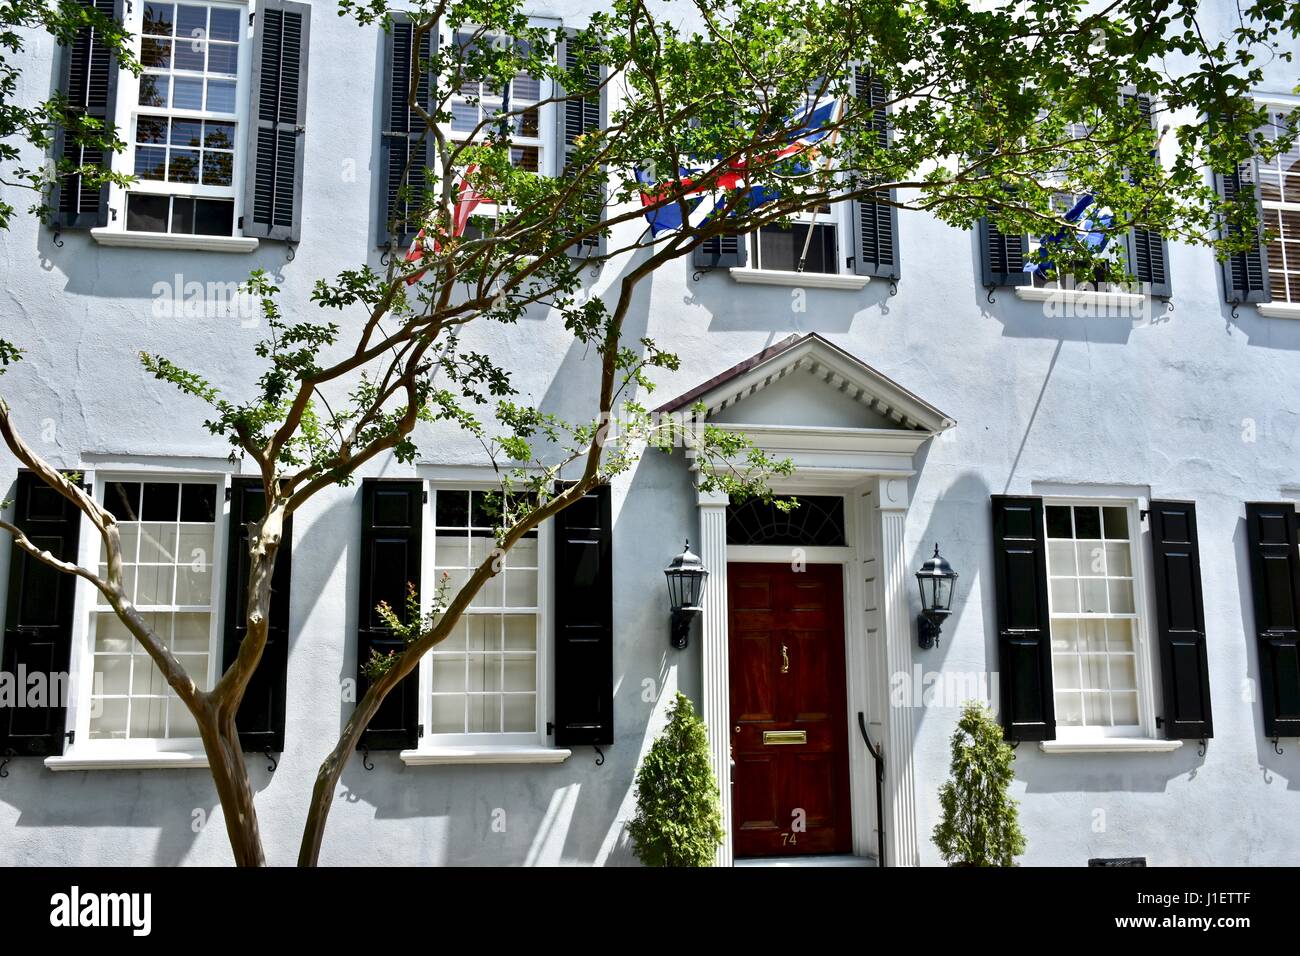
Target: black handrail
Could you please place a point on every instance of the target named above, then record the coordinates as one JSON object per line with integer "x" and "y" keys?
{"x": 878, "y": 753}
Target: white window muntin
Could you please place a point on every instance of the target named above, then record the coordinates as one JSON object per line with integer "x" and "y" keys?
{"x": 1065, "y": 618}
{"x": 128, "y": 106}
{"x": 486, "y": 605}
{"x": 89, "y": 604}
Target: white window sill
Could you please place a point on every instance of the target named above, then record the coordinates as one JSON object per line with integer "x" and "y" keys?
{"x": 1118, "y": 300}
{"x": 1279, "y": 310}
{"x": 811, "y": 280}
{"x": 166, "y": 240}
{"x": 1110, "y": 745}
{"x": 487, "y": 754}
{"x": 129, "y": 761}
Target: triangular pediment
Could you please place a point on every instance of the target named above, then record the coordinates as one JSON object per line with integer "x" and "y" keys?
{"x": 807, "y": 382}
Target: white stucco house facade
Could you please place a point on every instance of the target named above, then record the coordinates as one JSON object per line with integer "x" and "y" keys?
{"x": 1113, "y": 476}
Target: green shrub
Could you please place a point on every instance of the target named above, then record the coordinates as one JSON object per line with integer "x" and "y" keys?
{"x": 677, "y": 819}
{"x": 980, "y": 824}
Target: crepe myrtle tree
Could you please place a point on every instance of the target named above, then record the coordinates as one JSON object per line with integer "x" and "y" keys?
{"x": 973, "y": 116}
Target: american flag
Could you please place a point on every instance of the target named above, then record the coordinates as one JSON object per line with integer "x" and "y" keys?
{"x": 467, "y": 199}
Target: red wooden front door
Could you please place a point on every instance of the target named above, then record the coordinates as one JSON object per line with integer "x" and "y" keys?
{"x": 790, "y": 793}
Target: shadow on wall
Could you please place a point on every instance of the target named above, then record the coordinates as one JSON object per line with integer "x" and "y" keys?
{"x": 1247, "y": 694}
{"x": 735, "y": 308}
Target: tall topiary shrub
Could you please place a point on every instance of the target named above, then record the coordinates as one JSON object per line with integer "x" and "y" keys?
{"x": 677, "y": 819}
{"x": 980, "y": 825}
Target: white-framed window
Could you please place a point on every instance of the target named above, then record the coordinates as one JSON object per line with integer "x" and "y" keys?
{"x": 185, "y": 118}
{"x": 486, "y": 683}
{"x": 532, "y": 132}
{"x": 1101, "y": 673}
{"x": 1279, "y": 190}
{"x": 812, "y": 242}
{"x": 172, "y": 532}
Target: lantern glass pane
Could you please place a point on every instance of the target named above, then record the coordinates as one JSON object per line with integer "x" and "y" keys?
{"x": 942, "y": 593}
{"x": 696, "y": 583}
{"x": 675, "y": 586}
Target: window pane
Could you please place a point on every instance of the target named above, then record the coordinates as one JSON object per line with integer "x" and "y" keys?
{"x": 452, "y": 509}
{"x": 188, "y": 55}
{"x": 186, "y": 132}
{"x": 159, "y": 18}
{"x": 224, "y": 24}
{"x": 1087, "y": 522}
{"x": 153, "y": 90}
{"x": 1116, "y": 520}
{"x": 221, "y": 96}
{"x": 146, "y": 213}
{"x": 448, "y": 715}
{"x": 198, "y": 502}
{"x": 214, "y": 217}
{"x": 187, "y": 93}
{"x": 223, "y": 58}
{"x": 1058, "y": 522}
{"x": 191, "y": 21}
{"x": 156, "y": 54}
{"x": 218, "y": 135}
{"x": 160, "y": 501}
{"x": 151, "y": 163}
{"x": 182, "y": 215}
{"x": 1060, "y": 558}
{"x": 1091, "y": 559}
{"x": 484, "y": 714}
{"x": 218, "y": 169}
{"x": 183, "y": 167}
{"x": 151, "y": 129}
{"x": 520, "y": 713}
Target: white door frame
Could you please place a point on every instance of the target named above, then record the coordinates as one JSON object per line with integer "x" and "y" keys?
{"x": 878, "y": 638}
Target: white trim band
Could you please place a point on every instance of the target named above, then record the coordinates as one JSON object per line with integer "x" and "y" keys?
{"x": 1121, "y": 300}
{"x": 1110, "y": 745}
{"x": 139, "y": 761}
{"x": 170, "y": 240}
{"x": 1279, "y": 310}
{"x": 488, "y": 754}
{"x": 811, "y": 280}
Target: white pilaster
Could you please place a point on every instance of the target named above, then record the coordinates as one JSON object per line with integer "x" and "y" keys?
{"x": 713, "y": 637}
{"x": 901, "y": 841}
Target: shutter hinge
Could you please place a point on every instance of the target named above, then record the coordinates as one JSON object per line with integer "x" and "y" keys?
{"x": 1142, "y": 514}
{"x": 241, "y": 222}
{"x": 251, "y": 14}
{"x": 424, "y": 496}
{"x": 419, "y": 730}
{"x": 71, "y": 735}
{"x": 550, "y": 729}
{"x": 228, "y": 490}
{"x": 1160, "y": 721}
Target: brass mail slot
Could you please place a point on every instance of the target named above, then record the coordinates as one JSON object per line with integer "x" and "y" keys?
{"x": 772, "y": 737}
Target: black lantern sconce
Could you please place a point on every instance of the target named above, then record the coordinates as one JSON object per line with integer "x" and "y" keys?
{"x": 686, "y": 576}
{"x": 937, "y": 581}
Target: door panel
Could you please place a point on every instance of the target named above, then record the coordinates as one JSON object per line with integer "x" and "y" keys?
{"x": 789, "y": 796}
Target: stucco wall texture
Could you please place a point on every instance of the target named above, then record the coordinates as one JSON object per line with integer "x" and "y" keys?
{"x": 1188, "y": 403}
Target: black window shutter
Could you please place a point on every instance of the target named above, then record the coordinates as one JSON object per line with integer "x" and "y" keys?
{"x": 573, "y": 118}
{"x": 1148, "y": 252}
{"x": 1002, "y": 256}
{"x": 1275, "y": 579}
{"x": 1024, "y": 625}
{"x": 584, "y": 622}
{"x": 1180, "y": 621}
{"x": 405, "y": 141}
{"x": 874, "y": 224}
{"x": 88, "y": 78}
{"x": 261, "y": 716}
{"x": 1245, "y": 274}
{"x": 722, "y": 251}
{"x": 392, "y": 517}
{"x": 278, "y": 117}
{"x": 38, "y": 616}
